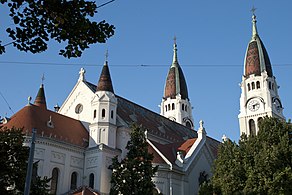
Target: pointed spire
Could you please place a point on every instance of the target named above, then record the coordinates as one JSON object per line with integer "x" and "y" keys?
{"x": 105, "y": 82}
{"x": 254, "y": 21}
{"x": 174, "y": 61}
{"x": 40, "y": 99}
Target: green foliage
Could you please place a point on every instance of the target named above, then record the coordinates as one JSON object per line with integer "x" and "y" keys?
{"x": 259, "y": 164}
{"x": 13, "y": 167}
{"x": 13, "y": 161}
{"x": 38, "y": 21}
{"x": 133, "y": 175}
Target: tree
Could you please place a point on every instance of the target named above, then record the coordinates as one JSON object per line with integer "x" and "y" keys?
{"x": 133, "y": 175}
{"x": 13, "y": 167}
{"x": 260, "y": 164}
{"x": 13, "y": 161}
{"x": 38, "y": 21}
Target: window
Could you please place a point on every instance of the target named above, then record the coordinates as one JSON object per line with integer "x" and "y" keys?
{"x": 73, "y": 181}
{"x": 168, "y": 106}
{"x": 252, "y": 85}
{"x": 259, "y": 120}
{"x": 103, "y": 113}
{"x": 258, "y": 85}
{"x": 78, "y": 108}
{"x": 112, "y": 114}
{"x": 94, "y": 114}
{"x": 252, "y": 129}
{"x": 273, "y": 86}
{"x": 165, "y": 107}
{"x": 172, "y": 106}
{"x": 188, "y": 124}
{"x": 54, "y": 181}
{"x": 270, "y": 85}
{"x": 91, "y": 180}
{"x": 183, "y": 107}
{"x": 248, "y": 87}
{"x": 186, "y": 108}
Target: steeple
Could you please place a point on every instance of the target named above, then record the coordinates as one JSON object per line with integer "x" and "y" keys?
{"x": 105, "y": 82}
{"x": 175, "y": 82}
{"x": 175, "y": 103}
{"x": 257, "y": 59}
{"x": 40, "y": 99}
{"x": 259, "y": 90}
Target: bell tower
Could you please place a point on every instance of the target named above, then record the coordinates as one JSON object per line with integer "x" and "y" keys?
{"x": 259, "y": 89}
{"x": 175, "y": 103}
{"x": 104, "y": 111}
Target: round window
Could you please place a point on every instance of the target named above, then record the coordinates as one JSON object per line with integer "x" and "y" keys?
{"x": 78, "y": 108}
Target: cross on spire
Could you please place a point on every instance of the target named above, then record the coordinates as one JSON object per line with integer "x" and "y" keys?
{"x": 106, "y": 55}
{"x": 43, "y": 78}
{"x": 174, "y": 39}
{"x": 253, "y": 9}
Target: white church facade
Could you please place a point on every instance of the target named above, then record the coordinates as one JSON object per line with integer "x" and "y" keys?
{"x": 76, "y": 142}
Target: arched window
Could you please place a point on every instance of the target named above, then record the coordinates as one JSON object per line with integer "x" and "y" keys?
{"x": 73, "y": 181}
{"x": 259, "y": 120}
{"x": 91, "y": 180}
{"x": 183, "y": 107}
{"x": 54, "y": 181}
{"x": 252, "y": 85}
{"x": 103, "y": 113}
{"x": 186, "y": 108}
{"x": 248, "y": 87}
{"x": 258, "y": 85}
{"x": 94, "y": 114}
{"x": 112, "y": 114}
{"x": 168, "y": 106}
{"x": 252, "y": 128}
{"x": 165, "y": 107}
{"x": 188, "y": 124}
{"x": 172, "y": 106}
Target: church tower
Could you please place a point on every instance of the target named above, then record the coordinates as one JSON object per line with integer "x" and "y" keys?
{"x": 259, "y": 89}
{"x": 104, "y": 111}
{"x": 175, "y": 104}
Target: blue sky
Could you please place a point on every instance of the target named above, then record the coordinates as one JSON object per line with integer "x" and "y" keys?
{"x": 212, "y": 37}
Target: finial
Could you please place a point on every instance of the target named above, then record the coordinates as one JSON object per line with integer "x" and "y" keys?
{"x": 174, "y": 51}
{"x": 254, "y": 21}
{"x": 29, "y": 99}
{"x": 106, "y": 55}
{"x": 201, "y": 124}
{"x": 43, "y": 78}
{"x": 82, "y": 74}
{"x": 174, "y": 39}
{"x": 253, "y": 9}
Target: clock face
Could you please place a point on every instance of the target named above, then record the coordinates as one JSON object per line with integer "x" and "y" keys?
{"x": 277, "y": 104}
{"x": 253, "y": 105}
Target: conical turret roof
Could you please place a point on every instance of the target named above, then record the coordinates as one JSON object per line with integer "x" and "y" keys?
{"x": 105, "y": 82}
{"x": 175, "y": 81}
{"x": 40, "y": 99}
{"x": 256, "y": 59}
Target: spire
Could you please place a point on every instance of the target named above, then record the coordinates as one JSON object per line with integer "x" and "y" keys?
{"x": 175, "y": 82}
{"x": 254, "y": 24}
{"x": 40, "y": 99}
{"x": 105, "y": 82}
{"x": 174, "y": 61}
{"x": 257, "y": 59}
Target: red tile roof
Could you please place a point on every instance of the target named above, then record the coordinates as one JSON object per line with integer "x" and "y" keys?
{"x": 60, "y": 128}
{"x": 83, "y": 190}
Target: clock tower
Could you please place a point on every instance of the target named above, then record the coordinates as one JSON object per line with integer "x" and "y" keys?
{"x": 259, "y": 90}
{"x": 175, "y": 103}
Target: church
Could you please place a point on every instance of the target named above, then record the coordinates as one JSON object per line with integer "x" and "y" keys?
{"x": 75, "y": 143}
